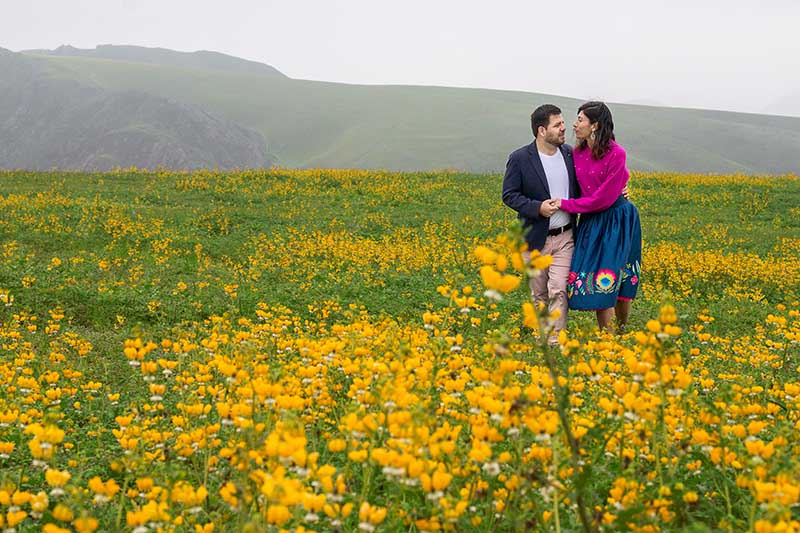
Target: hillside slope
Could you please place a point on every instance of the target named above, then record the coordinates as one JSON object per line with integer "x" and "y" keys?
{"x": 47, "y": 122}
{"x": 203, "y": 59}
{"x": 321, "y": 124}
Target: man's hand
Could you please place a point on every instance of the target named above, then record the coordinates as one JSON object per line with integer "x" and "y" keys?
{"x": 547, "y": 208}
{"x": 626, "y": 193}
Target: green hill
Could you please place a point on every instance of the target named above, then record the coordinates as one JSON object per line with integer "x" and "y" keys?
{"x": 203, "y": 59}
{"x": 321, "y": 124}
{"x": 50, "y": 122}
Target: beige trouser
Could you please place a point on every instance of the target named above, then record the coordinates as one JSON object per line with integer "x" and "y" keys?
{"x": 550, "y": 286}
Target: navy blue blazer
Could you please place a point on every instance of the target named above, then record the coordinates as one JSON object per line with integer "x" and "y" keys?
{"x": 525, "y": 188}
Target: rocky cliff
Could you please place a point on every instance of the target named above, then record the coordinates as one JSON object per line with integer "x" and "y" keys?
{"x": 47, "y": 122}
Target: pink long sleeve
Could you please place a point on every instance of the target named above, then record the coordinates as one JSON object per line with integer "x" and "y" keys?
{"x": 601, "y": 182}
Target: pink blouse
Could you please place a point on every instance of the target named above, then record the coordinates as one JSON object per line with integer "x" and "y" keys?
{"x": 601, "y": 181}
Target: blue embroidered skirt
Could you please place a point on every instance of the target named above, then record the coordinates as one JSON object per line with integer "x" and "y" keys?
{"x": 607, "y": 260}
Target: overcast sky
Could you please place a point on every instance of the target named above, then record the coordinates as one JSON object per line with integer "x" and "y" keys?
{"x": 722, "y": 54}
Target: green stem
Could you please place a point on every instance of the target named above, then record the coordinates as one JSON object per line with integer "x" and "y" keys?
{"x": 562, "y": 400}
{"x": 727, "y": 495}
{"x": 556, "y": 516}
{"x": 753, "y": 515}
{"x": 122, "y": 497}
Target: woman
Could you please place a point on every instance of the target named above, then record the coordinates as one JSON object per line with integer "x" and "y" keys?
{"x": 604, "y": 275}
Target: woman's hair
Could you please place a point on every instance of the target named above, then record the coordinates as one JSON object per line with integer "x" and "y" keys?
{"x": 598, "y": 113}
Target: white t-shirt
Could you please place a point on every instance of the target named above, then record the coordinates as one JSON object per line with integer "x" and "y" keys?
{"x": 558, "y": 180}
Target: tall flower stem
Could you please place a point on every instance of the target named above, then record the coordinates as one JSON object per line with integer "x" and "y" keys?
{"x": 562, "y": 407}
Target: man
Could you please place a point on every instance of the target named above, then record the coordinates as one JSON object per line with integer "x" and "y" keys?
{"x": 535, "y": 174}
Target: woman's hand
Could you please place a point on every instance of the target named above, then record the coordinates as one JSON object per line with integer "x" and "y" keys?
{"x": 556, "y": 202}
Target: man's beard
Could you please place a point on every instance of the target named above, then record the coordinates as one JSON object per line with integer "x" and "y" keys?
{"x": 555, "y": 140}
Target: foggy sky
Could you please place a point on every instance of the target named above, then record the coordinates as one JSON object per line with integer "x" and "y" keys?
{"x": 735, "y": 55}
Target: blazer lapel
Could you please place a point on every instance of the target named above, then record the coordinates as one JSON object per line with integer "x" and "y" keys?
{"x": 533, "y": 153}
{"x": 570, "y": 162}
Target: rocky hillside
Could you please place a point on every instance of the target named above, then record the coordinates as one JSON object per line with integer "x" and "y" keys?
{"x": 49, "y": 122}
{"x": 200, "y": 60}
{"x": 207, "y": 106}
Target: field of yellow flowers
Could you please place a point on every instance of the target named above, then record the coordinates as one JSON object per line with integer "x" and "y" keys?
{"x": 334, "y": 350}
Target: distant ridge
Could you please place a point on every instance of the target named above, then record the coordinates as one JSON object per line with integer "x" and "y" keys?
{"x": 309, "y": 124}
{"x": 47, "y": 122}
{"x": 200, "y": 60}
{"x": 787, "y": 101}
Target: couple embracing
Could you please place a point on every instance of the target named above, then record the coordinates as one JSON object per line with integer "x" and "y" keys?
{"x": 597, "y": 258}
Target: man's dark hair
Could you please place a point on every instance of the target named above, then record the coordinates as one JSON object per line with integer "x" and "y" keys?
{"x": 541, "y": 116}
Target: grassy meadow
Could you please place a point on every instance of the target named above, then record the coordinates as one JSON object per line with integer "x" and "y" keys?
{"x": 317, "y": 351}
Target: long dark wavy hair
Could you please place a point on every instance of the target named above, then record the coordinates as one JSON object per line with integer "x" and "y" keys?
{"x": 598, "y": 113}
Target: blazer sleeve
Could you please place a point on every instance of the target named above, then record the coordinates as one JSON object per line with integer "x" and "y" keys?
{"x": 607, "y": 193}
{"x": 512, "y": 192}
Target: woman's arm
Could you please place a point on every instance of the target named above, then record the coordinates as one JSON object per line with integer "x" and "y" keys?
{"x": 609, "y": 190}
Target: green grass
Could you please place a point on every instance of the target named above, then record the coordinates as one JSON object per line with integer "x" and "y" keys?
{"x": 154, "y": 255}
{"x": 86, "y": 218}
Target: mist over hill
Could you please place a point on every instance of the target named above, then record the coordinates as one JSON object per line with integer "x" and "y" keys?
{"x": 49, "y": 122}
{"x": 203, "y": 59}
{"x": 322, "y": 124}
{"x": 785, "y": 105}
